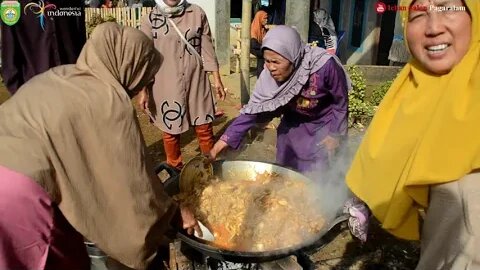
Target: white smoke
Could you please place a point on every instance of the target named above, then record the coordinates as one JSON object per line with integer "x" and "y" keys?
{"x": 332, "y": 191}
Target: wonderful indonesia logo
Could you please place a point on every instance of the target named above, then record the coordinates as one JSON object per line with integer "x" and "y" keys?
{"x": 39, "y": 9}
{"x": 11, "y": 11}
{"x": 44, "y": 11}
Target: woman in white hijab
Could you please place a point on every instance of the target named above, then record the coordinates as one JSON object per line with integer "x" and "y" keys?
{"x": 182, "y": 95}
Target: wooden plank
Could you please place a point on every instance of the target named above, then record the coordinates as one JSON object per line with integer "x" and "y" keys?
{"x": 178, "y": 261}
{"x": 124, "y": 15}
{"x": 172, "y": 264}
{"x": 134, "y": 22}
{"x": 239, "y": 47}
{"x": 289, "y": 263}
{"x": 130, "y": 17}
{"x": 126, "y": 19}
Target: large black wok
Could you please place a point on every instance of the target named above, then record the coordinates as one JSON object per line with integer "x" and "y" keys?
{"x": 245, "y": 169}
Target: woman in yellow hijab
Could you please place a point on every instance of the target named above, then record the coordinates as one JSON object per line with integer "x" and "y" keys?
{"x": 422, "y": 149}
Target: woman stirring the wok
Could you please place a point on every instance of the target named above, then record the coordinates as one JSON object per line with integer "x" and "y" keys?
{"x": 309, "y": 87}
{"x": 422, "y": 150}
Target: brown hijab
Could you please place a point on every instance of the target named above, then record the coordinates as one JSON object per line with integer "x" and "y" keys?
{"x": 74, "y": 131}
{"x": 116, "y": 54}
{"x": 257, "y": 29}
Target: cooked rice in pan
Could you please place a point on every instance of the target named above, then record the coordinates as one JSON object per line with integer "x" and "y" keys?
{"x": 264, "y": 214}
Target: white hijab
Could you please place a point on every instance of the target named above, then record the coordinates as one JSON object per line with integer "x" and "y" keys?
{"x": 171, "y": 11}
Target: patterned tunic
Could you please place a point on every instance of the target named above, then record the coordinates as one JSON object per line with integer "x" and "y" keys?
{"x": 181, "y": 93}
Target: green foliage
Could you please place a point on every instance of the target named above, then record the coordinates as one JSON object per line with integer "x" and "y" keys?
{"x": 360, "y": 109}
{"x": 110, "y": 18}
{"x": 379, "y": 92}
{"x": 313, "y": 44}
{"x": 96, "y": 20}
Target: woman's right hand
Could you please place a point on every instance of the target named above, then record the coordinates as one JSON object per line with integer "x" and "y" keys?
{"x": 216, "y": 149}
{"x": 189, "y": 222}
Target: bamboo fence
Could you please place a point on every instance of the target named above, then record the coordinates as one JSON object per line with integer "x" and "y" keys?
{"x": 125, "y": 15}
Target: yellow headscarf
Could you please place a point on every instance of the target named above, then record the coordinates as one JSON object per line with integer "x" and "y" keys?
{"x": 426, "y": 131}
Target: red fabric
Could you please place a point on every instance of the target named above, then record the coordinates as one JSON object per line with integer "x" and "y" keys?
{"x": 171, "y": 144}
{"x": 33, "y": 232}
{"x": 205, "y": 137}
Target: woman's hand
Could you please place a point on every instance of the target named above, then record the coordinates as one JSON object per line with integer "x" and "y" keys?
{"x": 358, "y": 220}
{"x": 216, "y": 149}
{"x": 142, "y": 100}
{"x": 189, "y": 222}
{"x": 331, "y": 144}
{"x": 218, "y": 86}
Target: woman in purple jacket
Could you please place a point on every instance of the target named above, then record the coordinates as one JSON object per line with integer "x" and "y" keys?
{"x": 308, "y": 86}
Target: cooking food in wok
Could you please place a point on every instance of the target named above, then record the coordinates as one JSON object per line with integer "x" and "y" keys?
{"x": 254, "y": 212}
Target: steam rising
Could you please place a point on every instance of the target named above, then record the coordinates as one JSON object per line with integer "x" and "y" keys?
{"x": 331, "y": 189}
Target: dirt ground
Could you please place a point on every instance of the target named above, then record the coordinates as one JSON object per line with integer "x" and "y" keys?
{"x": 381, "y": 251}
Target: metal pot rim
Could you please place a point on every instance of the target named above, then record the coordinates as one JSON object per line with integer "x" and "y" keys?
{"x": 241, "y": 256}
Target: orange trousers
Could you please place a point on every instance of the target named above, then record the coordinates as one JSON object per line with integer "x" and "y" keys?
{"x": 171, "y": 144}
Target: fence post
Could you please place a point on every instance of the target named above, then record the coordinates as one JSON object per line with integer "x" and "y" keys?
{"x": 222, "y": 35}
{"x": 238, "y": 36}
{"x": 245, "y": 52}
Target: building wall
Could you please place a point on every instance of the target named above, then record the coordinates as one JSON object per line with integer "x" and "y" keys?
{"x": 366, "y": 53}
{"x": 210, "y": 9}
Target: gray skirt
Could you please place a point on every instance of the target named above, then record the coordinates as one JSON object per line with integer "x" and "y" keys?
{"x": 451, "y": 230}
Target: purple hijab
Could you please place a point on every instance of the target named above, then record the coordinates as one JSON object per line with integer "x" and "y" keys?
{"x": 284, "y": 40}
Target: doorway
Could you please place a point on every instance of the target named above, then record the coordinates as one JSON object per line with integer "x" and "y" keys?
{"x": 387, "y": 27}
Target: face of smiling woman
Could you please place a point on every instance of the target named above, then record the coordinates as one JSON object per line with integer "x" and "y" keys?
{"x": 438, "y": 40}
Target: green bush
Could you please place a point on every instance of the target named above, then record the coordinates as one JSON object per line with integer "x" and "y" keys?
{"x": 379, "y": 92}
{"x": 96, "y": 20}
{"x": 360, "y": 109}
{"x": 110, "y": 18}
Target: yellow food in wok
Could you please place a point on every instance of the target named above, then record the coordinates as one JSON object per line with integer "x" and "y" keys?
{"x": 264, "y": 214}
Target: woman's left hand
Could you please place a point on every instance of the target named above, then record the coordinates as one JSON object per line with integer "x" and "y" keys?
{"x": 358, "y": 220}
{"x": 331, "y": 144}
